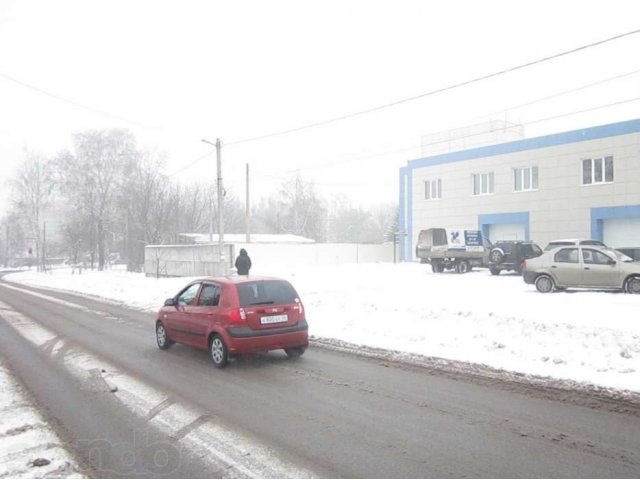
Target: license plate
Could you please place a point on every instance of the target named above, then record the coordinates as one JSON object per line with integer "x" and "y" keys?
{"x": 273, "y": 319}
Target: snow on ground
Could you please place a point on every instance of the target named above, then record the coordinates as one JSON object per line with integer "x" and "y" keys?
{"x": 28, "y": 446}
{"x": 498, "y": 321}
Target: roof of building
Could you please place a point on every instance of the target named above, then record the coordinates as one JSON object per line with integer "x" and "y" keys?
{"x": 591, "y": 133}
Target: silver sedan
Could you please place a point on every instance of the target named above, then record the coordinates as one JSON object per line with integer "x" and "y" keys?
{"x": 589, "y": 266}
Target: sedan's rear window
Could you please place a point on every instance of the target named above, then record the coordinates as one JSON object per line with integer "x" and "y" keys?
{"x": 266, "y": 292}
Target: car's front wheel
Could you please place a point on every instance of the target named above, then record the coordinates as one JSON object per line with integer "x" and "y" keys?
{"x": 633, "y": 285}
{"x": 218, "y": 350}
{"x": 544, "y": 284}
{"x": 295, "y": 352}
{"x": 161, "y": 337}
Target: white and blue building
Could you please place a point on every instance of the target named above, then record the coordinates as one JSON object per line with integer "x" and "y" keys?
{"x": 578, "y": 184}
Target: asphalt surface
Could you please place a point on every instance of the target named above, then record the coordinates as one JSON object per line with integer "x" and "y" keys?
{"x": 327, "y": 414}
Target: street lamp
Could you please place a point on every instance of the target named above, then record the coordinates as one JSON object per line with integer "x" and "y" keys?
{"x": 219, "y": 188}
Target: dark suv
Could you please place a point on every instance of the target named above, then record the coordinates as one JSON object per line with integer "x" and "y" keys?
{"x": 510, "y": 255}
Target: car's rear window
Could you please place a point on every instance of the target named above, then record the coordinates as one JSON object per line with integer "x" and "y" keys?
{"x": 266, "y": 292}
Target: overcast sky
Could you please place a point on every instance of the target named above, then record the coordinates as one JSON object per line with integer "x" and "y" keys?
{"x": 174, "y": 72}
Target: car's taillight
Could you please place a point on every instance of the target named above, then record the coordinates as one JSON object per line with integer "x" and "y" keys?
{"x": 237, "y": 315}
{"x": 300, "y": 308}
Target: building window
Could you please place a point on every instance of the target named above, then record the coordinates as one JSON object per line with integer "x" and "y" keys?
{"x": 482, "y": 183}
{"x": 597, "y": 170}
{"x": 432, "y": 189}
{"x": 525, "y": 179}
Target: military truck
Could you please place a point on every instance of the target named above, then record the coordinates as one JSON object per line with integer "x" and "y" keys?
{"x": 452, "y": 249}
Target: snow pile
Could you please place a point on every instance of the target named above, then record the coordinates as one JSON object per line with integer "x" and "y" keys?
{"x": 498, "y": 321}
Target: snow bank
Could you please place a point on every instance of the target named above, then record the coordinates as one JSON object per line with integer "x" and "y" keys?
{"x": 497, "y": 321}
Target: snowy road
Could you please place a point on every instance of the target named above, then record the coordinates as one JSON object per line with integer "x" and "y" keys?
{"x": 128, "y": 409}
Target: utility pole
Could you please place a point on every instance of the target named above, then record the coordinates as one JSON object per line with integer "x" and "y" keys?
{"x": 218, "y": 146}
{"x": 247, "y": 220}
{"x": 220, "y": 200}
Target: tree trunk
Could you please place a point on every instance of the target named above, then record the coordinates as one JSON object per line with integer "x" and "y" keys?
{"x": 100, "y": 246}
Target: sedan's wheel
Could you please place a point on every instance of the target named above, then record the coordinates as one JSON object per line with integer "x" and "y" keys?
{"x": 633, "y": 285}
{"x": 462, "y": 267}
{"x": 295, "y": 352}
{"x": 219, "y": 353}
{"x": 161, "y": 337}
{"x": 544, "y": 284}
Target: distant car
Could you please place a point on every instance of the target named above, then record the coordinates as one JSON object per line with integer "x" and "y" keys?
{"x": 232, "y": 316}
{"x": 572, "y": 241}
{"x": 510, "y": 255}
{"x": 583, "y": 266}
{"x": 632, "y": 252}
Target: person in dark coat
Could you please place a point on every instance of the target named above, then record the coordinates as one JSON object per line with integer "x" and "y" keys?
{"x": 243, "y": 262}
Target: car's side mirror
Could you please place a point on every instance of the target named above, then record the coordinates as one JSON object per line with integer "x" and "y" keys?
{"x": 170, "y": 302}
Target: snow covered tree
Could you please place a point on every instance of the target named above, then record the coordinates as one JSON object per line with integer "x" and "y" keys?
{"x": 31, "y": 194}
{"x": 90, "y": 176}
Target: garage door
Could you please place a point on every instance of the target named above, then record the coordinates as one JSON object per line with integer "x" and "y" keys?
{"x": 506, "y": 231}
{"x": 621, "y": 232}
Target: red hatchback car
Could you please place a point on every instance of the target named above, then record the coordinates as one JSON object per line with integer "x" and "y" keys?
{"x": 231, "y": 316}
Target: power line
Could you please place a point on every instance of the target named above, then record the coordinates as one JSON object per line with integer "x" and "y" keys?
{"x": 532, "y": 122}
{"x": 415, "y": 147}
{"x": 74, "y": 103}
{"x": 434, "y": 92}
{"x": 559, "y": 94}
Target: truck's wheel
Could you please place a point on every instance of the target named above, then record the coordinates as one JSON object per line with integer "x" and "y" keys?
{"x": 437, "y": 268}
{"x": 462, "y": 267}
{"x": 494, "y": 271}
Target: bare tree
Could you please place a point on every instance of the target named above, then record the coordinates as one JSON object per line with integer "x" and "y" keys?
{"x": 31, "y": 194}
{"x": 296, "y": 209}
{"x": 146, "y": 204}
{"x": 90, "y": 176}
{"x": 12, "y": 237}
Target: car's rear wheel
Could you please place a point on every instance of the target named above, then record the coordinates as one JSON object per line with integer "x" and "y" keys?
{"x": 219, "y": 352}
{"x": 295, "y": 352}
{"x": 494, "y": 271}
{"x": 162, "y": 337}
{"x": 544, "y": 284}
{"x": 633, "y": 285}
{"x": 463, "y": 267}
